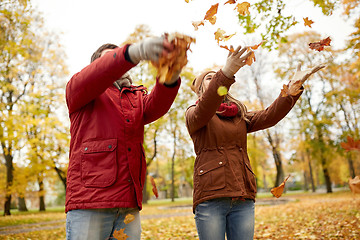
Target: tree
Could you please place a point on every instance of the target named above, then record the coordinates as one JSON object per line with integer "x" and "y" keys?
{"x": 28, "y": 55}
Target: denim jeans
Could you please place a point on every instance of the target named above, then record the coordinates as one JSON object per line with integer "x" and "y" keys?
{"x": 216, "y": 217}
{"x": 100, "y": 224}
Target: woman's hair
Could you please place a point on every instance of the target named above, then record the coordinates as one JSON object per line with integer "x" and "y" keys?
{"x": 98, "y": 52}
{"x": 227, "y": 99}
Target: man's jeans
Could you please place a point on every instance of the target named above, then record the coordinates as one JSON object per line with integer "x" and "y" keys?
{"x": 100, "y": 224}
{"x": 216, "y": 217}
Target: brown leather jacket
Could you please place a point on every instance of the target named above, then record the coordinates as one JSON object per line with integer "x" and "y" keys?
{"x": 222, "y": 167}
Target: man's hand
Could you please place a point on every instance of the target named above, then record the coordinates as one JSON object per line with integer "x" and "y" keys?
{"x": 235, "y": 61}
{"x": 149, "y": 49}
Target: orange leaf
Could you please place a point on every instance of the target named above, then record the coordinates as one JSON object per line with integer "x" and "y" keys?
{"x": 230, "y": 2}
{"x": 176, "y": 59}
{"x": 243, "y": 8}
{"x": 212, "y": 20}
{"x": 277, "y": 191}
{"x": 120, "y": 235}
{"x": 129, "y": 218}
{"x": 254, "y": 47}
{"x": 197, "y": 24}
{"x": 351, "y": 144}
{"x": 251, "y": 58}
{"x": 308, "y": 22}
{"x": 285, "y": 91}
{"x": 220, "y": 35}
{"x": 319, "y": 46}
{"x": 154, "y": 189}
{"x": 211, "y": 12}
{"x": 354, "y": 184}
{"x": 231, "y": 49}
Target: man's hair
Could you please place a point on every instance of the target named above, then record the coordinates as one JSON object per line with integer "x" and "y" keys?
{"x": 97, "y": 53}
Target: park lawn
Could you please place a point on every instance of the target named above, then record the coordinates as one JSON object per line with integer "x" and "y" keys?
{"x": 309, "y": 216}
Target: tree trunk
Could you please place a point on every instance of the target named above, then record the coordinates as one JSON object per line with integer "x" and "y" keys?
{"x": 313, "y": 188}
{"x": 61, "y": 175}
{"x": 326, "y": 175}
{"x": 9, "y": 181}
{"x": 306, "y": 184}
{"x": 41, "y": 196}
{"x": 172, "y": 168}
{"x": 22, "y": 204}
{"x": 145, "y": 192}
{"x": 351, "y": 165}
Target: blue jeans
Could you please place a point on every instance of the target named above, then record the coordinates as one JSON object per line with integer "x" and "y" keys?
{"x": 216, "y": 217}
{"x": 100, "y": 224}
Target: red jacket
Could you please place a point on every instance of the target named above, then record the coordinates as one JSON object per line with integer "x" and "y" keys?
{"x": 107, "y": 163}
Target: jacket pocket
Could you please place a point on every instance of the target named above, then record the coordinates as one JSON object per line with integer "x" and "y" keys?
{"x": 98, "y": 163}
{"x": 212, "y": 175}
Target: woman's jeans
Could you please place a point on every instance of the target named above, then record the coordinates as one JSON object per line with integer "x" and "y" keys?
{"x": 100, "y": 224}
{"x": 216, "y": 217}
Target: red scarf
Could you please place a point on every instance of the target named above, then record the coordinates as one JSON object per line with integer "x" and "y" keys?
{"x": 226, "y": 109}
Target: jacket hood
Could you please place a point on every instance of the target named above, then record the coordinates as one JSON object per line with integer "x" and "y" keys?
{"x": 195, "y": 86}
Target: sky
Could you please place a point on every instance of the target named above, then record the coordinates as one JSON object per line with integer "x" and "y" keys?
{"x": 87, "y": 24}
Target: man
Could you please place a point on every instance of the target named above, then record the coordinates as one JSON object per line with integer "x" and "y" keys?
{"x": 107, "y": 164}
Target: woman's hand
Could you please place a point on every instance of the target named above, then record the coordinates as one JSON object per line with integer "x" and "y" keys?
{"x": 235, "y": 61}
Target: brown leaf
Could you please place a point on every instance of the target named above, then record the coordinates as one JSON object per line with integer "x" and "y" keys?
{"x": 220, "y": 35}
{"x": 176, "y": 59}
{"x": 354, "y": 184}
{"x": 129, "y": 218}
{"x": 256, "y": 46}
{"x": 285, "y": 91}
{"x": 319, "y": 46}
{"x": 231, "y": 49}
{"x": 120, "y": 235}
{"x": 154, "y": 188}
{"x": 308, "y": 22}
{"x": 243, "y": 8}
{"x": 211, "y": 12}
{"x": 351, "y": 144}
{"x": 251, "y": 58}
{"x": 230, "y": 2}
{"x": 277, "y": 191}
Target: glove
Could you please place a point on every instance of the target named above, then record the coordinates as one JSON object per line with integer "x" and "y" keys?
{"x": 301, "y": 76}
{"x": 234, "y": 61}
{"x": 174, "y": 78}
{"x": 148, "y": 49}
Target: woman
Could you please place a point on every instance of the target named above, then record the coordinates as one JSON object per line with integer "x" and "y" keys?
{"x": 224, "y": 183}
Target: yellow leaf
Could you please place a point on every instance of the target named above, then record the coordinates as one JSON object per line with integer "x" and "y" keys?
{"x": 222, "y": 91}
{"x": 243, "y": 8}
{"x": 129, "y": 218}
{"x": 196, "y": 24}
{"x": 308, "y": 22}
{"x": 277, "y": 191}
{"x": 120, "y": 235}
{"x": 211, "y": 12}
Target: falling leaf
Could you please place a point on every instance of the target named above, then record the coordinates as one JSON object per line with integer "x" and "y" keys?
{"x": 187, "y": 1}
{"x": 120, "y": 235}
{"x": 230, "y": 2}
{"x": 256, "y": 46}
{"x": 351, "y": 144}
{"x": 129, "y": 218}
{"x": 319, "y": 46}
{"x": 231, "y": 49}
{"x": 308, "y": 22}
{"x": 212, "y": 20}
{"x": 154, "y": 188}
{"x": 251, "y": 58}
{"x": 222, "y": 91}
{"x": 277, "y": 191}
{"x": 211, "y": 12}
{"x": 220, "y": 35}
{"x": 354, "y": 184}
{"x": 243, "y": 8}
{"x": 176, "y": 59}
{"x": 196, "y": 24}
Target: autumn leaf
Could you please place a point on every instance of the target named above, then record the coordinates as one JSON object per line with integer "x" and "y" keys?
{"x": 187, "y": 1}
{"x": 154, "y": 188}
{"x": 319, "y": 46}
{"x": 212, "y": 20}
{"x": 256, "y": 46}
{"x": 197, "y": 24}
{"x": 308, "y": 22}
{"x": 120, "y": 235}
{"x": 129, "y": 218}
{"x": 251, "y": 58}
{"x": 230, "y": 2}
{"x": 211, "y": 12}
{"x": 231, "y": 49}
{"x": 176, "y": 59}
{"x": 354, "y": 184}
{"x": 222, "y": 91}
{"x": 220, "y": 35}
{"x": 351, "y": 144}
{"x": 243, "y": 8}
{"x": 293, "y": 90}
{"x": 277, "y": 191}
